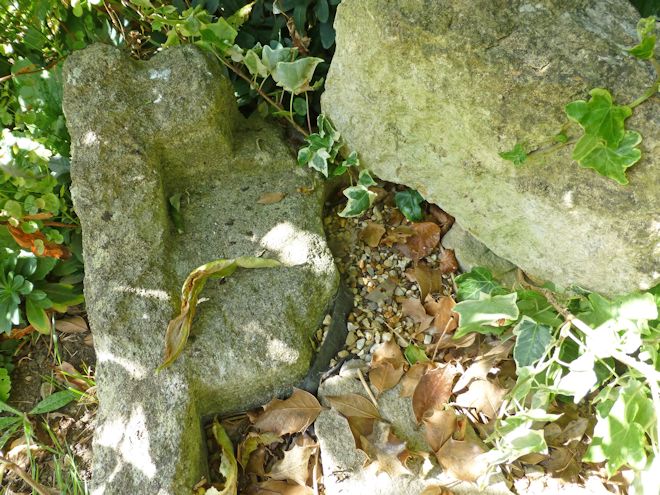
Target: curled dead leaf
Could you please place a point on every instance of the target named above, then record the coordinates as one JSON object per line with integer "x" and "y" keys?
{"x": 428, "y": 279}
{"x": 385, "y": 450}
{"x": 433, "y": 391}
{"x": 69, "y": 376}
{"x": 421, "y": 244}
{"x": 372, "y": 234}
{"x": 295, "y": 465}
{"x": 384, "y": 376}
{"x": 89, "y": 340}
{"x": 438, "y": 216}
{"x": 448, "y": 263}
{"x": 415, "y": 373}
{"x": 484, "y": 396}
{"x": 413, "y": 307}
{"x": 72, "y": 324}
{"x": 271, "y": 198}
{"x": 398, "y": 234}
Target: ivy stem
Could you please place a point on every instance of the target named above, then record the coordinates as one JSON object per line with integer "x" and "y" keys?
{"x": 550, "y": 149}
{"x": 258, "y": 90}
{"x": 651, "y": 91}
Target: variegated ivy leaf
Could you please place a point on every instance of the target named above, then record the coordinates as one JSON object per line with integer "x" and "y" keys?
{"x": 325, "y": 127}
{"x": 271, "y": 57}
{"x": 613, "y": 162}
{"x": 365, "y": 179}
{"x": 320, "y": 161}
{"x": 254, "y": 65}
{"x": 359, "y": 197}
{"x": 296, "y": 76}
{"x": 644, "y": 50}
{"x": 235, "y": 52}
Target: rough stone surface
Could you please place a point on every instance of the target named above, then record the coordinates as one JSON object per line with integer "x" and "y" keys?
{"x": 470, "y": 253}
{"x": 142, "y": 132}
{"x": 429, "y": 92}
{"x": 343, "y": 471}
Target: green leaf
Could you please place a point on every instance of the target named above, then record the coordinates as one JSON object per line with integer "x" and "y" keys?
{"x": 327, "y": 33}
{"x": 254, "y": 65}
{"x": 300, "y": 106}
{"x": 54, "y": 402}
{"x": 62, "y": 295}
{"x": 270, "y": 58}
{"x": 179, "y": 328}
{"x": 517, "y": 155}
{"x": 351, "y": 161}
{"x": 532, "y": 304}
{"x": 228, "y": 465}
{"x": 408, "y": 203}
{"x": 319, "y": 161}
{"x": 613, "y": 162}
{"x": 644, "y": 51}
{"x": 238, "y": 18}
{"x": 561, "y": 138}
{"x": 633, "y": 307}
{"x": 300, "y": 17}
{"x": 532, "y": 342}
{"x": 220, "y": 33}
{"x": 296, "y": 76}
{"x": 322, "y": 10}
{"x": 617, "y": 438}
{"x": 13, "y": 209}
{"x": 359, "y": 200}
{"x": 5, "y": 387}
{"x": 486, "y": 310}
{"x": 600, "y": 119}
{"x": 7, "y": 408}
{"x": 7, "y": 422}
{"x": 37, "y": 316}
{"x": 304, "y": 155}
{"x": 415, "y": 354}
{"x": 472, "y": 285}
{"x": 581, "y": 378}
{"x": 364, "y": 179}
{"x": 145, "y": 4}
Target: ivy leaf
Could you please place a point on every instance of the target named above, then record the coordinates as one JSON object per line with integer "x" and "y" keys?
{"x": 486, "y": 310}
{"x": 471, "y": 285}
{"x": 319, "y": 161}
{"x": 271, "y": 58}
{"x": 532, "y": 342}
{"x": 600, "y": 119}
{"x": 365, "y": 179}
{"x": 644, "y": 51}
{"x": 220, "y": 33}
{"x": 613, "y": 162}
{"x": 359, "y": 200}
{"x": 296, "y": 76}
{"x": 254, "y": 65}
{"x": 517, "y": 155}
{"x": 408, "y": 203}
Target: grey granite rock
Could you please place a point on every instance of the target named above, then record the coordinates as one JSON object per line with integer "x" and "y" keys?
{"x": 428, "y": 93}
{"x": 142, "y": 132}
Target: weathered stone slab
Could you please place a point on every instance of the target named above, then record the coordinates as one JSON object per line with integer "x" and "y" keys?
{"x": 343, "y": 465}
{"x": 142, "y": 132}
{"x": 429, "y": 92}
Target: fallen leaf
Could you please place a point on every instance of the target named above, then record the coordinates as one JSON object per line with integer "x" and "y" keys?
{"x": 389, "y": 351}
{"x": 563, "y": 464}
{"x": 386, "y": 451}
{"x": 38, "y": 244}
{"x": 484, "y": 396}
{"x": 448, "y": 263}
{"x": 295, "y": 465}
{"x": 19, "y": 333}
{"x": 410, "y": 381}
{"x": 384, "y": 375}
{"x": 573, "y": 432}
{"x": 413, "y": 307}
{"x": 68, "y": 375}
{"x": 395, "y": 218}
{"x": 479, "y": 369}
{"x": 372, "y": 234}
{"x": 445, "y": 320}
{"x": 433, "y": 391}
{"x": 398, "y": 234}
{"x": 433, "y": 490}
{"x": 289, "y": 416}
{"x": 73, "y": 324}
{"x": 428, "y": 279}
{"x": 438, "y": 216}
{"x": 459, "y": 460}
{"x": 421, "y": 244}
{"x": 382, "y": 292}
{"x": 89, "y": 340}
{"x": 251, "y": 443}
{"x": 256, "y": 461}
{"x": 440, "y": 426}
{"x": 381, "y": 193}
{"x": 228, "y": 466}
{"x": 352, "y": 406}
{"x": 271, "y": 198}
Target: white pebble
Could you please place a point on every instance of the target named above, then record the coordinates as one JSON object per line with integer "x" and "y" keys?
{"x": 387, "y": 263}
{"x": 360, "y": 344}
{"x": 351, "y": 326}
{"x": 369, "y": 335}
{"x": 399, "y": 291}
{"x": 351, "y": 338}
{"x": 327, "y": 320}
{"x": 373, "y": 348}
{"x": 367, "y": 358}
{"x": 428, "y": 339}
{"x": 325, "y": 334}
{"x": 402, "y": 342}
{"x": 361, "y": 353}
{"x": 377, "y": 338}
{"x": 386, "y": 337}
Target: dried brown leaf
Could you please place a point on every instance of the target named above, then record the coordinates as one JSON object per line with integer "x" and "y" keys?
{"x": 384, "y": 376}
{"x": 484, "y": 396}
{"x": 398, "y": 234}
{"x": 381, "y": 194}
{"x": 410, "y": 381}
{"x": 353, "y": 406}
{"x": 434, "y": 490}
{"x": 420, "y": 245}
{"x": 445, "y": 320}
{"x": 563, "y": 464}
{"x": 271, "y": 198}
{"x": 413, "y": 307}
{"x": 448, "y": 263}
{"x": 289, "y": 416}
{"x": 89, "y": 340}
{"x": 433, "y": 390}
{"x": 440, "y": 426}
{"x": 67, "y": 374}
{"x": 256, "y": 461}
{"x": 372, "y": 234}
{"x": 428, "y": 279}
{"x": 295, "y": 465}
{"x": 438, "y": 216}
{"x": 459, "y": 459}
{"x": 72, "y": 324}
{"x": 386, "y": 451}
{"x": 395, "y": 218}
{"x": 391, "y": 352}
{"x": 479, "y": 369}
{"x": 573, "y": 432}
{"x": 271, "y": 487}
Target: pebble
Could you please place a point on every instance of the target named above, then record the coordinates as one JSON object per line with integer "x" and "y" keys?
{"x": 351, "y": 338}
{"x": 386, "y": 337}
{"x": 360, "y": 343}
{"x": 352, "y": 327}
{"x": 428, "y": 339}
{"x": 342, "y": 354}
{"x": 377, "y": 338}
{"x": 399, "y": 291}
{"x": 373, "y": 348}
{"x": 368, "y": 358}
{"x": 327, "y": 320}
{"x": 369, "y": 335}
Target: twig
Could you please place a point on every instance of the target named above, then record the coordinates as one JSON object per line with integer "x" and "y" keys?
{"x": 24, "y": 72}
{"x": 260, "y": 91}
{"x": 25, "y": 476}
{"x": 52, "y": 224}
{"x": 366, "y": 387}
